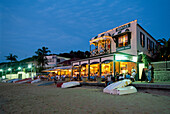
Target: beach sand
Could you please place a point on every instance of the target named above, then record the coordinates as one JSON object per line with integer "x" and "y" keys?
{"x": 27, "y": 98}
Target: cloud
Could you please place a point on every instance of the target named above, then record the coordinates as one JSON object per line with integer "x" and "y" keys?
{"x": 50, "y": 8}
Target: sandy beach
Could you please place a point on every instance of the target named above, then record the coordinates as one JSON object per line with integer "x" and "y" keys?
{"x": 27, "y": 98}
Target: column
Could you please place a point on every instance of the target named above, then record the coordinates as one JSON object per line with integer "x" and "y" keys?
{"x": 72, "y": 71}
{"x": 105, "y": 46}
{"x": 100, "y": 68}
{"x": 114, "y": 69}
{"x": 88, "y": 69}
{"x": 110, "y": 46}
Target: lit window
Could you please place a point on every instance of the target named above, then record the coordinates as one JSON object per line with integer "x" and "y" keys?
{"x": 123, "y": 41}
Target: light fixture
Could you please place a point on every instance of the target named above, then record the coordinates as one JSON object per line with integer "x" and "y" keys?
{"x": 9, "y": 69}
{"x": 29, "y": 66}
{"x": 19, "y": 68}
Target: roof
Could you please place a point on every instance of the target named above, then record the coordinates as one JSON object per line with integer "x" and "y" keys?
{"x": 68, "y": 62}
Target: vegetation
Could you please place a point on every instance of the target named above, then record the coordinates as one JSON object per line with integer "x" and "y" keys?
{"x": 76, "y": 54}
{"x": 11, "y": 57}
{"x": 163, "y": 50}
{"x": 41, "y": 59}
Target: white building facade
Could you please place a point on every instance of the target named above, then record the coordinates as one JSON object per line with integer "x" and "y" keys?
{"x": 53, "y": 60}
{"x": 116, "y": 51}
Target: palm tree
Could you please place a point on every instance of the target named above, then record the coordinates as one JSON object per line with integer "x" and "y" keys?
{"x": 11, "y": 57}
{"x": 41, "y": 59}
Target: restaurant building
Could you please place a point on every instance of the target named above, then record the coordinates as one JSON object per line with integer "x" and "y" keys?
{"x": 116, "y": 51}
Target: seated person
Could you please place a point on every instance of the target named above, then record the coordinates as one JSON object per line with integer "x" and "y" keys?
{"x": 121, "y": 77}
{"x": 103, "y": 78}
{"x": 127, "y": 75}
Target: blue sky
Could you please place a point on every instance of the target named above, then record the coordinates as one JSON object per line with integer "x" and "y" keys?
{"x": 65, "y": 25}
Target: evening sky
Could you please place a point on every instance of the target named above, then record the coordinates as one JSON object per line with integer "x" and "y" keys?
{"x": 65, "y": 25}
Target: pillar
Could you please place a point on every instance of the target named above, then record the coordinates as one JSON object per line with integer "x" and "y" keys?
{"x": 88, "y": 69}
{"x": 114, "y": 69}
{"x": 100, "y": 68}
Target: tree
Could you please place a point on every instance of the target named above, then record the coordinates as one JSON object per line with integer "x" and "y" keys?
{"x": 11, "y": 57}
{"x": 41, "y": 59}
{"x": 163, "y": 49}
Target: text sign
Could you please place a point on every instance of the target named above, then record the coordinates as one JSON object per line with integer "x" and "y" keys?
{"x": 123, "y": 27}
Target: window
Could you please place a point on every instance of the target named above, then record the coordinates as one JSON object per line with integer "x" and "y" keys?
{"x": 148, "y": 44}
{"x": 142, "y": 39}
{"x": 58, "y": 60}
{"x": 123, "y": 41}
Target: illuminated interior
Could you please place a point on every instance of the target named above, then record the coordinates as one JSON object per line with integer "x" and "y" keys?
{"x": 123, "y": 40}
{"x": 94, "y": 69}
{"x": 100, "y": 46}
{"x": 106, "y": 68}
{"x": 76, "y": 70}
{"x": 84, "y": 70}
{"x": 124, "y": 67}
{"x": 66, "y": 72}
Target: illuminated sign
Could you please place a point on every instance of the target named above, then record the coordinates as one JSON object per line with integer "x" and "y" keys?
{"x": 123, "y": 48}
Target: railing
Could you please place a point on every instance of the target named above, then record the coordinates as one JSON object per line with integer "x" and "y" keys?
{"x": 162, "y": 65}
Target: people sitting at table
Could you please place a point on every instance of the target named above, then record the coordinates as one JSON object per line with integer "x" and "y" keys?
{"x": 108, "y": 80}
{"x": 103, "y": 78}
{"x": 121, "y": 77}
{"x": 127, "y": 75}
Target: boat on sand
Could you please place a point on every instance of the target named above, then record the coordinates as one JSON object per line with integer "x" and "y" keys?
{"x": 70, "y": 84}
{"x": 119, "y": 88}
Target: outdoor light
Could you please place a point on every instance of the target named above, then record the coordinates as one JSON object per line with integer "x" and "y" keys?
{"x": 29, "y": 66}
{"x": 134, "y": 59}
{"x": 19, "y": 68}
{"x": 1, "y": 70}
{"x": 9, "y": 69}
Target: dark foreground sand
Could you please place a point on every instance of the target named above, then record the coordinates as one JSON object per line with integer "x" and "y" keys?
{"x": 27, "y": 98}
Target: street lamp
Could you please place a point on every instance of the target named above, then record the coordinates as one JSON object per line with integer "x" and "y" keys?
{"x": 1, "y": 70}
{"x": 19, "y": 68}
{"x": 9, "y": 69}
{"x": 30, "y": 66}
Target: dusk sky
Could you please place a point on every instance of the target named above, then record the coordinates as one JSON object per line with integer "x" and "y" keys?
{"x": 65, "y": 25}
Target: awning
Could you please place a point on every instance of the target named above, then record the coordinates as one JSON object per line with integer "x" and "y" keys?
{"x": 120, "y": 32}
{"x": 63, "y": 67}
{"x": 125, "y": 30}
{"x": 107, "y": 61}
{"x": 84, "y": 64}
{"x": 48, "y": 70}
{"x": 94, "y": 63}
{"x": 115, "y": 33}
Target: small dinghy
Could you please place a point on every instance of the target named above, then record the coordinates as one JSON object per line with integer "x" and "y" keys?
{"x": 119, "y": 88}
{"x": 70, "y": 84}
{"x": 126, "y": 90}
{"x": 26, "y": 80}
{"x": 13, "y": 80}
{"x": 115, "y": 85}
{"x": 36, "y": 80}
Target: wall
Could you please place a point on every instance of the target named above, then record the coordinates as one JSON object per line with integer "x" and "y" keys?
{"x": 24, "y": 75}
{"x": 162, "y": 75}
{"x": 139, "y": 47}
{"x": 133, "y": 50}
